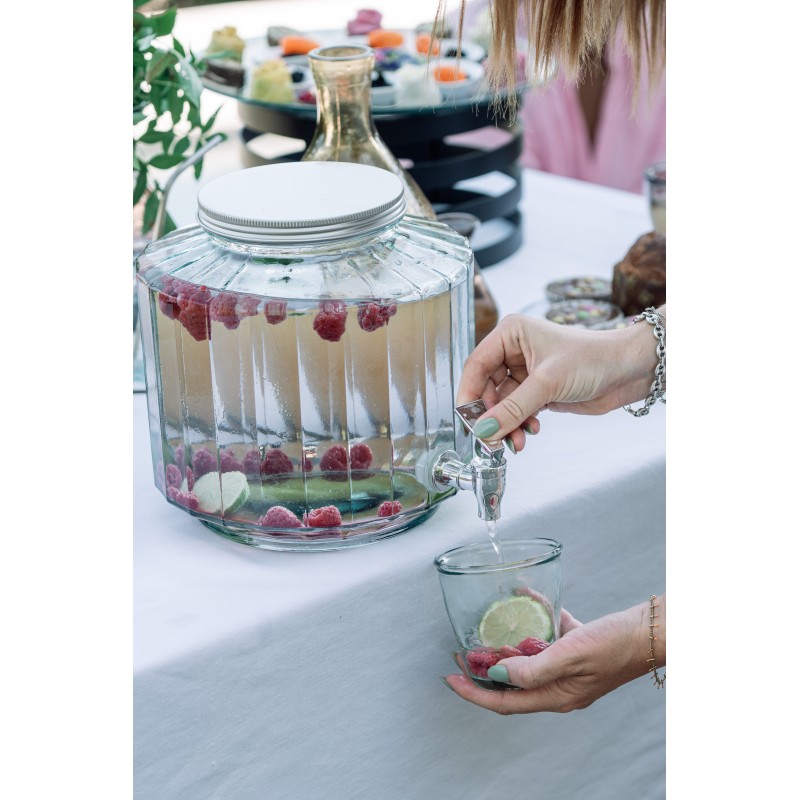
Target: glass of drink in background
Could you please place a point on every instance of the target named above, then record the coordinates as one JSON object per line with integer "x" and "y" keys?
{"x": 504, "y": 606}
{"x": 655, "y": 179}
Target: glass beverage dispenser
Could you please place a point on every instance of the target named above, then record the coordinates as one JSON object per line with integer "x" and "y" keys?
{"x": 302, "y": 345}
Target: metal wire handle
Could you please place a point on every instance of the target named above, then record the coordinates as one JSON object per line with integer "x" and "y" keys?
{"x": 161, "y": 215}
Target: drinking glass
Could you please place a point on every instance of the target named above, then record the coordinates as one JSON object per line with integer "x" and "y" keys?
{"x": 503, "y": 599}
{"x": 655, "y": 178}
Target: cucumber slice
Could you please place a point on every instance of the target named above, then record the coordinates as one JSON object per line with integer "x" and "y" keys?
{"x": 233, "y": 495}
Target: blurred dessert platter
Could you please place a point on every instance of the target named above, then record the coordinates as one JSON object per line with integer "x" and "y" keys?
{"x": 412, "y": 67}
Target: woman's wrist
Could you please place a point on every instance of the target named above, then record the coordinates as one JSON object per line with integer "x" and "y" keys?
{"x": 637, "y": 359}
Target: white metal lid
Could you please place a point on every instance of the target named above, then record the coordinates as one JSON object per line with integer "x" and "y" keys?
{"x": 307, "y": 202}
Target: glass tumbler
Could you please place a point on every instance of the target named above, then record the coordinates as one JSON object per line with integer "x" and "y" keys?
{"x": 501, "y": 604}
{"x": 655, "y": 178}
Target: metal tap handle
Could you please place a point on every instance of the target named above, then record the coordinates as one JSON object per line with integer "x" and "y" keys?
{"x": 491, "y": 451}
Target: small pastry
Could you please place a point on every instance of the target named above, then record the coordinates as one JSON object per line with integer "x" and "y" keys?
{"x": 415, "y": 86}
{"x": 277, "y": 32}
{"x": 227, "y": 41}
{"x": 297, "y": 45}
{"x": 640, "y": 279}
{"x": 382, "y": 38}
{"x": 271, "y": 82}
{"x": 366, "y": 20}
{"x": 225, "y": 71}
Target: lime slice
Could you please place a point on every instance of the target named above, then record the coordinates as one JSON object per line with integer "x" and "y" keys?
{"x": 234, "y": 494}
{"x": 508, "y": 622}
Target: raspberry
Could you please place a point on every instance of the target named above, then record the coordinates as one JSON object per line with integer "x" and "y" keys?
{"x": 389, "y": 507}
{"x": 194, "y": 314}
{"x": 531, "y": 646}
{"x": 360, "y": 456}
{"x": 334, "y": 460}
{"x": 173, "y": 475}
{"x": 187, "y": 499}
{"x": 307, "y": 465}
{"x": 203, "y": 461}
{"x": 229, "y": 463}
{"x": 372, "y": 316}
{"x": 307, "y": 97}
{"x": 223, "y": 309}
{"x": 178, "y": 456}
{"x": 276, "y": 462}
{"x": 247, "y": 306}
{"x": 168, "y": 305}
{"x": 279, "y": 517}
{"x": 509, "y": 652}
{"x": 325, "y": 517}
{"x": 252, "y": 463}
{"x": 330, "y": 322}
{"x": 479, "y": 661}
{"x": 275, "y": 311}
{"x": 189, "y": 479}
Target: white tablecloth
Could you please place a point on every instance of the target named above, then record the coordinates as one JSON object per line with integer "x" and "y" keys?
{"x": 278, "y": 675}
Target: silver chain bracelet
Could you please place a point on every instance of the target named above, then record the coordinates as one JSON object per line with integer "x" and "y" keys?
{"x": 657, "y": 390}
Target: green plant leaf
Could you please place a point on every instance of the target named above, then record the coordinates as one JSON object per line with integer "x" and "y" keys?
{"x": 161, "y": 60}
{"x": 198, "y": 169}
{"x": 210, "y": 121}
{"x": 138, "y": 116}
{"x": 153, "y": 137}
{"x": 166, "y": 161}
{"x": 175, "y": 106}
{"x": 169, "y": 224}
{"x": 181, "y": 146}
{"x": 145, "y": 42}
{"x": 163, "y": 23}
{"x": 139, "y": 186}
{"x": 150, "y": 211}
{"x": 178, "y": 47}
{"x": 190, "y": 81}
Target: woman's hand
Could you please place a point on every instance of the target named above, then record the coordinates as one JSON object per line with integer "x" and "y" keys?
{"x": 526, "y": 365}
{"x": 587, "y": 662}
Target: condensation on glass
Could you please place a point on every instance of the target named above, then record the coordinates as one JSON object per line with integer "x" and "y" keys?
{"x": 302, "y": 346}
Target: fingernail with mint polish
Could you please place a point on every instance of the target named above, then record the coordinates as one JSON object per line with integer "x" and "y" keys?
{"x": 510, "y": 444}
{"x": 528, "y": 428}
{"x": 499, "y": 673}
{"x": 486, "y": 427}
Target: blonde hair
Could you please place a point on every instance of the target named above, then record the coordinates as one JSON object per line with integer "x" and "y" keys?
{"x": 563, "y": 33}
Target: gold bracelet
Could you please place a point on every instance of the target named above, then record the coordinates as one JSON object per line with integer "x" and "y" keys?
{"x": 658, "y": 681}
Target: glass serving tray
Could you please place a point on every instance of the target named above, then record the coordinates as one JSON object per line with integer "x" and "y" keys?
{"x": 257, "y": 50}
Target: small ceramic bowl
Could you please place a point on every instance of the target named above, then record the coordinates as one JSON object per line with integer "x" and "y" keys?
{"x": 463, "y": 88}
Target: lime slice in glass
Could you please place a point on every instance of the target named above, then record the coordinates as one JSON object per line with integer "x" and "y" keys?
{"x": 508, "y": 622}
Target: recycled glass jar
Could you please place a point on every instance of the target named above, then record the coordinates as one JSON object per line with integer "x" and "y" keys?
{"x": 302, "y": 347}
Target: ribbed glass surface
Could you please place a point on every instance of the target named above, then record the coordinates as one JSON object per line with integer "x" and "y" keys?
{"x": 296, "y": 396}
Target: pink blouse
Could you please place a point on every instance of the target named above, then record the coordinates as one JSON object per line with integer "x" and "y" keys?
{"x": 556, "y": 136}
{"x": 626, "y": 141}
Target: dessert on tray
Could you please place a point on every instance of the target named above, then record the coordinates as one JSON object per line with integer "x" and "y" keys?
{"x": 640, "y": 279}
{"x": 227, "y": 42}
{"x": 366, "y": 20}
{"x": 272, "y": 82}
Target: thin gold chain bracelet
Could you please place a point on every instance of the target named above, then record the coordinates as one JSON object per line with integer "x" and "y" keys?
{"x": 657, "y": 680}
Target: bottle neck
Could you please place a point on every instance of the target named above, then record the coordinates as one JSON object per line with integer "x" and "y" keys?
{"x": 345, "y": 129}
{"x": 344, "y": 120}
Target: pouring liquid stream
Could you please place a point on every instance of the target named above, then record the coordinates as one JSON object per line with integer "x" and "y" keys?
{"x": 491, "y": 526}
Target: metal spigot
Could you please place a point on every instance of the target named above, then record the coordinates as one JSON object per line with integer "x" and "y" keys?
{"x": 485, "y": 475}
